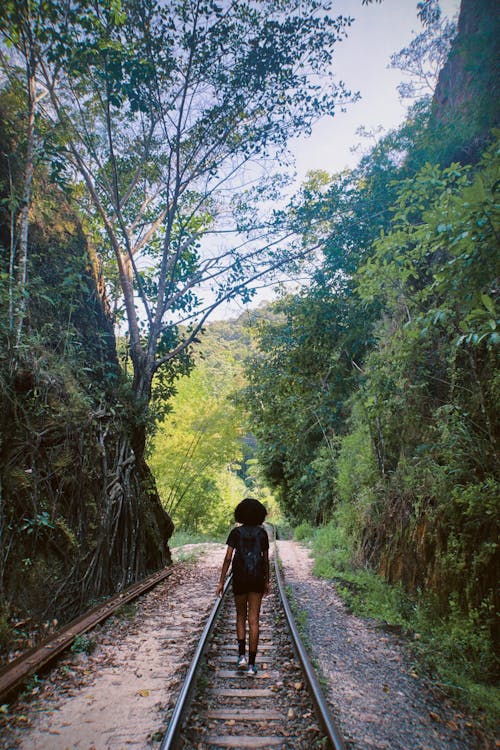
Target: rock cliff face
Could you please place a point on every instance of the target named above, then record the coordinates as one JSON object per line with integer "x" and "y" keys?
{"x": 79, "y": 513}
{"x": 466, "y": 103}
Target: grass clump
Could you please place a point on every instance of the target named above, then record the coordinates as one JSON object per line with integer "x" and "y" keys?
{"x": 300, "y": 617}
{"x": 83, "y": 644}
{"x": 458, "y": 649}
{"x": 304, "y": 532}
{"x": 127, "y": 611}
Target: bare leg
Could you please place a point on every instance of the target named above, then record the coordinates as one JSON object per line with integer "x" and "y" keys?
{"x": 254, "y": 602}
{"x": 241, "y": 602}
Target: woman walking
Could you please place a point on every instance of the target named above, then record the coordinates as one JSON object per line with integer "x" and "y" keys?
{"x": 250, "y": 545}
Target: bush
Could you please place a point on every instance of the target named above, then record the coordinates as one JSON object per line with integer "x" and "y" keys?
{"x": 304, "y": 532}
{"x": 331, "y": 550}
{"x": 83, "y": 644}
{"x": 356, "y": 467}
{"x": 183, "y": 536}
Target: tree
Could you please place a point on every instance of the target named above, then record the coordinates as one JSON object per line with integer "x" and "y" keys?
{"x": 436, "y": 273}
{"x": 20, "y": 27}
{"x": 155, "y": 115}
{"x": 425, "y": 56}
{"x": 163, "y": 113}
{"x": 310, "y": 361}
{"x": 196, "y": 445}
{"x": 437, "y": 265}
{"x": 298, "y": 386}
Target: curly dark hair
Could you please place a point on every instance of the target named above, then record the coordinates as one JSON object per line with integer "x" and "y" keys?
{"x": 250, "y": 512}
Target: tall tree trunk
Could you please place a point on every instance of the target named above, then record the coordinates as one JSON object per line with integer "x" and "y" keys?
{"x": 12, "y": 247}
{"x": 22, "y": 259}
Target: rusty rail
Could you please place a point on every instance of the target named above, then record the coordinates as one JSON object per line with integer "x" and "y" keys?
{"x": 18, "y": 670}
{"x": 172, "y": 734}
{"x": 332, "y": 731}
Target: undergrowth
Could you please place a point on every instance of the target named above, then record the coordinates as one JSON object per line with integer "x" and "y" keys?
{"x": 83, "y": 644}
{"x": 455, "y": 650}
{"x": 127, "y": 611}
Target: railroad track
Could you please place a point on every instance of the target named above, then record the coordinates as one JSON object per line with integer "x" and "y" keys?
{"x": 218, "y": 707}
{"x": 280, "y": 707}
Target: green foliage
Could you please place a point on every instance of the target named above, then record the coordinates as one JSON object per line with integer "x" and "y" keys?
{"x": 310, "y": 359}
{"x": 438, "y": 265}
{"x": 180, "y": 537}
{"x": 303, "y": 532}
{"x": 465, "y": 105}
{"x": 297, "y": 395}
{"x": 356, "y": 477}
{"x": 197, "y": 450}
{"x": 427, "y": 396}
{"x": 459, "y": 646}
{"x": 331, "y": 548}
{"x": 83, "y": 644}
{"x": 405, "y": 465}
{"x": 158, "y": 109}
{"x": 66, "y": 421}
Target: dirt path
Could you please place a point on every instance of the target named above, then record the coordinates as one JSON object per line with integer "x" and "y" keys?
{"x": 373, "y": 689}
{"x": 117, "y": 697}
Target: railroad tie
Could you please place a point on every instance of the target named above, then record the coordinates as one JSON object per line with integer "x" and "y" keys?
{"x": 243, "y": 741}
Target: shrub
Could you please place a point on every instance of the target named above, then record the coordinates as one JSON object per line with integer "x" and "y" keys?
{"x": 304, "y": 532}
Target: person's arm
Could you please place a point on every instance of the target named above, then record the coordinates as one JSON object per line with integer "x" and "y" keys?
{"x": 266, "y": 568}
{"x": 225, "y": 568}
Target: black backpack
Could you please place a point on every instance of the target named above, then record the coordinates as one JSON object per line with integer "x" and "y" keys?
{"x": 249, "y": 558}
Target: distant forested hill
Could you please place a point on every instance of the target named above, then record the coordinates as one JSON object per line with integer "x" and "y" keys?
{"x": 203, "y": 452}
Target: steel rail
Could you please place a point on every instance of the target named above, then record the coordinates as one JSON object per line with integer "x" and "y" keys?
{"x": 13, "y": 674}
{"x": 172, "y": 734}
{"x": 329, "y": 726}
{"x": 328, "y": 723}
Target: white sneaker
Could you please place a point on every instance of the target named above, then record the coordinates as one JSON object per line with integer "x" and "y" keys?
{"x": 242, "y": 662}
